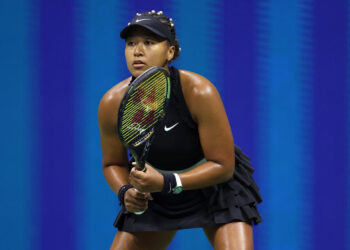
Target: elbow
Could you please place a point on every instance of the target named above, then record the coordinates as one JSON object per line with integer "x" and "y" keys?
{"x": 228, "y": 171}
{"x": 105, "y": 166}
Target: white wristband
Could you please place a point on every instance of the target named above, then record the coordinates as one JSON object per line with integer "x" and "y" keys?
{"x": 178, "y": 180}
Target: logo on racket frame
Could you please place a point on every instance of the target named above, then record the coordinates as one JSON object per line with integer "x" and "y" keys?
{"x": 136, "y": 127}
{"x": 143, "y": 139}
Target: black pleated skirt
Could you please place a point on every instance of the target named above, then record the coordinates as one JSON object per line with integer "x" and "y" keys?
{"x": 234, "y": 200}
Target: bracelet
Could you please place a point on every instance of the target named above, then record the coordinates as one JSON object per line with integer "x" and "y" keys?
{"x": 122, "y": 192}
{"x": 169, "y": 183}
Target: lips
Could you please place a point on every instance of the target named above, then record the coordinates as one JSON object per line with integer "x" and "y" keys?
{"x": 138, "y": 64}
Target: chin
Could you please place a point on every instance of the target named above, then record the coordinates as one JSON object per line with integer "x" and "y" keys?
{"x": 137, "y": 72}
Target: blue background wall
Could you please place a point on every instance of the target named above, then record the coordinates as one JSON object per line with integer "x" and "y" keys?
{"x": 283, "y": 71}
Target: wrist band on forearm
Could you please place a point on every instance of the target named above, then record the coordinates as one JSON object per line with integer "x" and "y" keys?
{"x": 121, "y": 193}
{"x": 169, "y": 183}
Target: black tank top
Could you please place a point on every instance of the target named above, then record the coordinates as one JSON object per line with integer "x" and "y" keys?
{"x": 176, "y": 145}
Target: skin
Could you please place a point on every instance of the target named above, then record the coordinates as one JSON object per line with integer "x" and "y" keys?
{"x": 143, "y": 50}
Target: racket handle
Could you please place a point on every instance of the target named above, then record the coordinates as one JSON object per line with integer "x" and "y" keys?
{"x": 139, "y": 213}
{"x": 141, "y": 166}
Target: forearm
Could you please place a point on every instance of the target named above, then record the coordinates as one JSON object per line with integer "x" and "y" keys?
{"x": 116, "y": 176}
{"x": 207, "y": 174}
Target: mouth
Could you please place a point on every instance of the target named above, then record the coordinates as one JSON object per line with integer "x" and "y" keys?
{"x": 138, "y": 64}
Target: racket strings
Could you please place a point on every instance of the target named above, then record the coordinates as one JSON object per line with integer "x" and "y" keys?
{"x": 144, "y": 107}
{"x": 138, "y": 97}
{"x": 140, "y": 91}
{"x": 153, "y": 97}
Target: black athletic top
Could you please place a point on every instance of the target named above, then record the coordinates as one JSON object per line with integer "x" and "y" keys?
{"x": 176, "y": 145}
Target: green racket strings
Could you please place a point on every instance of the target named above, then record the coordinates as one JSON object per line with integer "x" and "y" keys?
{"x": 144, "y": 107}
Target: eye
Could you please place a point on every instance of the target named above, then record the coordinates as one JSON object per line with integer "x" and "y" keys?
{"x": 149, "y": 42}
{"x": 130, "y": 43}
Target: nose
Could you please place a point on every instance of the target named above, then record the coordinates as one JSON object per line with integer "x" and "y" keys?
{"x": 138, "y": 50}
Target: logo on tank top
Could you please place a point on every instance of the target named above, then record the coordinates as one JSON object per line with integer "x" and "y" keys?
{"x": 166, "y": 129}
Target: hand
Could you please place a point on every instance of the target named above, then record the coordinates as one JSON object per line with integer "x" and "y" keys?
{"x": 136, "y": 201}
{"x": 149, "y": 181}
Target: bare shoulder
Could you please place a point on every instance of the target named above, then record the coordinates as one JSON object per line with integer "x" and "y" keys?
{"x": 198, "y": 91}
{"x": 195, "y": 85}
{"x": 109, "y": 104}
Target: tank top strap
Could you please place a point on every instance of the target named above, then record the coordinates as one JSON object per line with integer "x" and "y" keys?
{"x": 179, "y": 99}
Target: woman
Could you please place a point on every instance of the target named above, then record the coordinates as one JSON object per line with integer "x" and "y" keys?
{"x": 189, "y": 180}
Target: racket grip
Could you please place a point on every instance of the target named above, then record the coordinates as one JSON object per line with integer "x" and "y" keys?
{"x": 139, "y": 213}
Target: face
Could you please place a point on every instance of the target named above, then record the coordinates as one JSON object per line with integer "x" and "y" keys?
{"x": 144, "y": 49}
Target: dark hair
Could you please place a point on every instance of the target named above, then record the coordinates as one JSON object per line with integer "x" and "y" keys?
{"x": 171, "y": 27}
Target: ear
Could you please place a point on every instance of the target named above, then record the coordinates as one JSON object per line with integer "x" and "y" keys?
{"x": 171, "y": 53}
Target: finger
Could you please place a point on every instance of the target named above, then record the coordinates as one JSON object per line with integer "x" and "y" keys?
{"x": 136, "y": 173}
{"x": 136, "y": 194}
{"x": 132, "y": 174}
{"x": 135, "y": 208}
{"x": 135, "y": 205}
{"x": 134, "y": 182}
{"x": 149, "y": 196}
{"x": 140, "y": 195}
{"x": 134, "y": 165}
{"x": 137, "y": 167}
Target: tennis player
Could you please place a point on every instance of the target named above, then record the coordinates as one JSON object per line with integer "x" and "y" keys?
{"x": 195, "y": 177}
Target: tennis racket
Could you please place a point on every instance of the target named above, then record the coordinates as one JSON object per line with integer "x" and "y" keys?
{"x": 142, "y": 108}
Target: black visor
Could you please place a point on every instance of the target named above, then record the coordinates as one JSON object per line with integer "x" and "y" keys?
{"x": 150, "y": 23}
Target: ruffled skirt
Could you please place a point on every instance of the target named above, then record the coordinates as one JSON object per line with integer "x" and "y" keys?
{"x": 234, "y": 200}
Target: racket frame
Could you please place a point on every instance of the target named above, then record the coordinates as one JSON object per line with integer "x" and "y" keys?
{"x": 147, "y": 136}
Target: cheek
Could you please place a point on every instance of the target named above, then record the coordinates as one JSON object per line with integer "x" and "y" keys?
{"x": 128, "y": 57}
{"x": 126, "y": 53}
{"x": 161, "y": 55}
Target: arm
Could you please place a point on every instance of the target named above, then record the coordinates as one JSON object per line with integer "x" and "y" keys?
{"x": 115, "y": 161}
{"x": 207, "y": 110}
